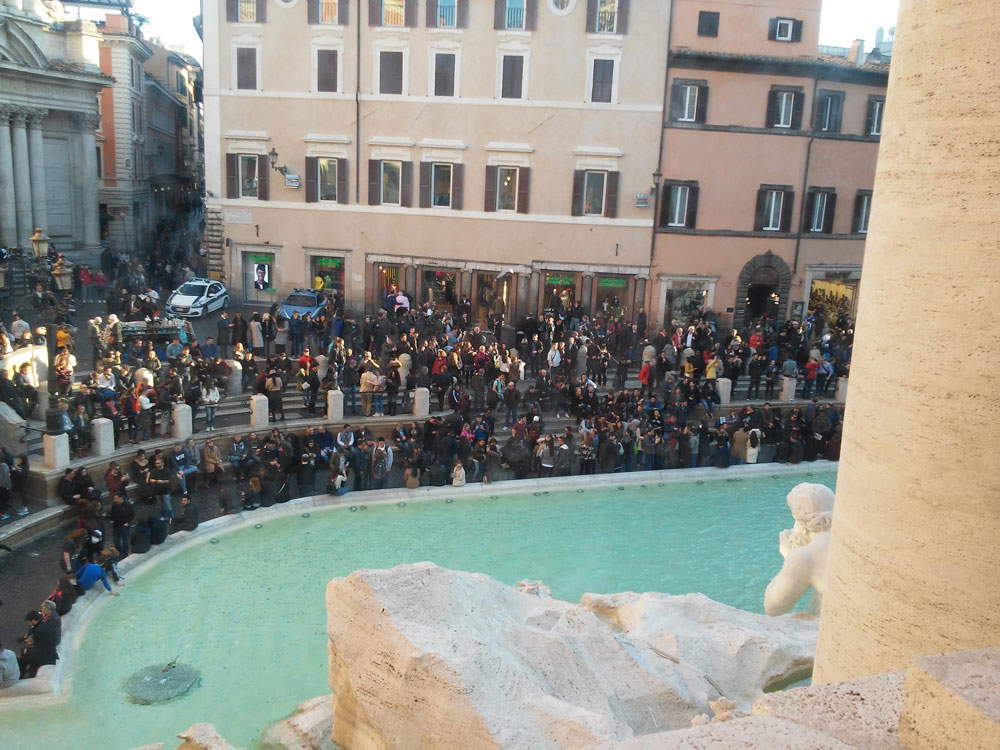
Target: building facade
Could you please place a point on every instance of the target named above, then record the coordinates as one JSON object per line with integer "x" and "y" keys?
{"x": 768, "y": 163}
{"x": 50, "y": 80}
{"x": 496, "y": 150}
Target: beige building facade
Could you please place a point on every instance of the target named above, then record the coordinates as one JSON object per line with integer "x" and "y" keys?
{"x": 499, "y": 150}
{"x": 768, "y": 163}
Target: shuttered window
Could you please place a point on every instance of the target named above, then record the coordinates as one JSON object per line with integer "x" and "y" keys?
{"x": 774, "y": 208}
{"x": 329, "y": 12}
{"x": 511, "y": 86}
{"x": 390, "y": 72}
{"x": 679, "y": 206}
{"x": 819, "y": 211}
{"x": 444, "y": 74}
{"x": 688, "y": 101}
{"x": 784, "y": 108}
{"x": 602, "y": 87}
{"x": 248, "y": 181}
{"x": 829, "y": 110}
{"x": 708, "y": 23}
{"x": 862, "y": 211}
{"x": 327, "y": 179}
{"x": 784, "y": 30}
{"x": 246, "y": 68}
{"x": 326, "y": 70}
{"x": 873, "y": 122}
{"x": 391, "y": 183}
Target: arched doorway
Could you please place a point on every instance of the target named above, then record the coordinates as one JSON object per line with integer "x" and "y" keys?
{"x": 763, "y": 289}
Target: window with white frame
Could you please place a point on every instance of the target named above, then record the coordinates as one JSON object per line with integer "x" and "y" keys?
{"x": 390, "y": 180}
{"x": 774, "y": 203}
{"x": 829, "y": 106}
{"x": 246, "y": 68}
{"x": 393, "y": 12}
{"x": 784, "y": 108}
{"x": 862, "y": 211}
{"x": 677, "y": 205}
{"x": 817, "y": 212}
{"x": 512, "y": 77}
{"x": 507, "y": 188}
{"x": 447, "y": 14}
{"x": 515, "y": 15}
{"x": 327, "y": 76}
{"x": 606, "y": 21}
{"x": 784, "y": 29}
{"x": 444, "y": 73}
{"x": 875, "y": 107}
{"x": 594, "y": 191}
{"x": 247, "y": 11}
{"x": 326, "y": 180}
{"x": 602, "y": 80}
{"x": 441, "y": 185}
{"x": 390, "y": 72}
{"x": 689, "y": 104}
{"x": 327, "y": 11}
{"x": 248, "y": 176}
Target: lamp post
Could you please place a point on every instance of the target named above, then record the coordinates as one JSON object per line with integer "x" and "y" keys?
{"x": 273, "y": 158}
{"x": 52, "y": 312}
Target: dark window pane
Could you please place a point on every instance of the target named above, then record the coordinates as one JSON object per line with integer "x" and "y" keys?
{"x": 513, "y": 70}
{"x": 708, "y": 23}
{"x": 246, "y": 68}
{"x": 326, "y": 70}
{"x": 604, "y": 74}
{"x": 441, "y": 188}
{"x": 390, "y": 74}
{"x": 444, "y": 74}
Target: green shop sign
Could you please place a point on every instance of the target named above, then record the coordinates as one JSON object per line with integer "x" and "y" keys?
{"x": 618, "y": 283}
{"x": 329, "y": 262}
{"x": 559, "y": 280}
{"x": 260, "y": 257}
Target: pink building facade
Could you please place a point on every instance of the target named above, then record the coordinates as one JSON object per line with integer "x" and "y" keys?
{"x": 767, "y": 162}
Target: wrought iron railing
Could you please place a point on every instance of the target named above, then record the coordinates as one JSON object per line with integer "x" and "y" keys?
{"x": 515, "y": 18}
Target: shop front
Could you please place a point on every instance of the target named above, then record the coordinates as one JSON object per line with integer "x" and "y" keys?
{"x": 258, "y": 278}
{"x": 685, "y": 296}
{"x": 439, "y": 287}
{"x": 612, "y": 296}
{"x": 833, "y": 291}
{"x": 560, "y": 291}
{"x": 327, "y": 274}
{"x": 493, "y": 293}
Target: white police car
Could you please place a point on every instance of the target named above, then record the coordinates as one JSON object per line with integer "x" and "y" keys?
{"x": 197, "y": 298}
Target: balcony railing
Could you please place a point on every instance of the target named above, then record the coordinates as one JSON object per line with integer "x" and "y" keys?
{"x": 607, "y": 21}
{"x": 446, "y": 16}
{"x": 328, "y": 11}
{"x": 515, "y": 18}
{"x": 393, "y": 15}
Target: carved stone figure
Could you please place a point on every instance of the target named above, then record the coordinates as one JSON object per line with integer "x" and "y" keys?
{"x": 804, "y": 547}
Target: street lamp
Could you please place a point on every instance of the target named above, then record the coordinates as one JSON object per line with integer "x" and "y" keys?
{"x": 40, "y": 244}
{"x": 273, "y": 157}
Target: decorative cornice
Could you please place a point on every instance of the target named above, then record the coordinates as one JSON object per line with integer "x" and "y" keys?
{"x": 87, "y": 122}
{"x": 687, "y": 59}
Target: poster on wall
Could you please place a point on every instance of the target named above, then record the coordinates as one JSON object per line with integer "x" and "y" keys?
{"x": 262, "y": 276}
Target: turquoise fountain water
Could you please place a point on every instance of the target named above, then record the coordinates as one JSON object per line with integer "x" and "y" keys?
{"x": 248, "y": 611}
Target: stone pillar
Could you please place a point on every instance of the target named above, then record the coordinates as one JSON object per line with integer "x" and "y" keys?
{"x": 915, "y": 548}
{"x": 842, "y": 389}
{"x": 182, "y": 426}
{"x": 259, "y": 415}
{"x": 87, "y": 124}
{"x": 56, "y": 451}
{"x": 421, "y": 403}
{"x": 586, "y": 292}
{"x": 36, "y": 157}
{"x": 334, "y": 406}
{"x": 11, "y": 430}
{"x": 22, "y": 176}
{"x": 234, "y": 383}
{"x": 8, "y": 209}
{"x": 725, "y": 388}
{"x": 103, "y": 436}
{"x": 788, "y": 388}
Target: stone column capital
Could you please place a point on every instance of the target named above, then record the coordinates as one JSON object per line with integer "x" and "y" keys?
{"x": 6, "y": 110}
{"x": 36, "y": 117}
{"x": 19, "y": 116}
{"x": 87, "y": 122}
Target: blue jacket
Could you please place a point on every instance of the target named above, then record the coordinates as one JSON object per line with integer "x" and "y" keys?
{"x": 90, "y": 574}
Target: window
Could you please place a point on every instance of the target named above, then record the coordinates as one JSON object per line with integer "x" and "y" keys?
{"x": 248, "y": 177}
{"x": 441, "y": 176}
{"x": 512, "y": 77}
{"x": 689, "y": 104}
{"x": 446, "y": 14}
{"x": 606, "y": 19}
{"x": 862, "y": 210}
{"x": 603, "y": 81}
{"x": 327, "y": 179}
{"x": 785, "y": 30}
{"x": 444, "y": 74}
{"x": 819, "y": 210}
{"x": 100, "y": 163}
{"x": 393, "y": 12}
{"x": 688, "y": 101}
{"x": 829, "y": 109}
{"x": 390, "y": 72}
{"x": 506, "y": 188}
{"x": 181, "y": 85}
{"x": 784, "y": 109}
{"x": 327, "y": 11}
{"x": 390, "y": 183}
{"x": 247, "y": 11}
{"x": 774, "y": 208}
{"x": 873, "y": 126}
{"x": 708, "y": 23}
{"x": 593, "y": 193}
{"x": 514, "y": 18}
{"x": 680, "y": 204}
{"x": 246, "y": 68}
{"x": 326, "y": 70}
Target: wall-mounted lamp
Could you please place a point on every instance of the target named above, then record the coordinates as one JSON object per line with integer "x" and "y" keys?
{"x": 273, "y": 156}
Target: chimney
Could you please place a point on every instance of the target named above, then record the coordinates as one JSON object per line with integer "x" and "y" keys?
{"x": 857, "y": 53}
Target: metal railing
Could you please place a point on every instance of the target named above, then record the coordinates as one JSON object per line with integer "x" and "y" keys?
{"x": 393, "y": 15}
{"x": 328, "y": 11}
{"x": 607, "y": 21}
{"x": 515, "y": 18}
{"x": 446, "y": 16}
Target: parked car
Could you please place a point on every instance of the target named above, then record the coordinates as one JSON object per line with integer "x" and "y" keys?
{"x": 302, "y": 301}
{"x": 197, "y": 298}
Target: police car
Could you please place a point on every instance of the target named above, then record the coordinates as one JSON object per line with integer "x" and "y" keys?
{"x": 197, "y": 298}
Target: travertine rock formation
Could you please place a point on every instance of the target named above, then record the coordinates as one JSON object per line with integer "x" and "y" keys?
{"x": 738, "y": 651}
{"x": 203, "y": 737}
{"x": 308, "y": 728}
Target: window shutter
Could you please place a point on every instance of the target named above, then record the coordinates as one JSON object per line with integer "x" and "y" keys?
{"x": 232, "y": 175}
{"x": 758, "y": 222}
{"x": 406, "y": 185}
{"x": 374, "y": 12}
{"x": 772, "y": 109}
{"x": 312, "y": 179}
{"x": 701, "y": 106}
{"x": 530, "y": 14}
{"x": 576, "y": 207}
{"x": 246, "y": 68}
{"x": 772, "y": 29}
{"x": 831, "y": 209}
{"x": 232, "y": 11}
{"x": 462, "y": 20}
{"x": 499, "y": 14}
{"x": 343, "y": 12}
{"x": 622, "y": 26}
{"x": 425, "y": 181}
{"x": 432, "y": 9}
{"x": 342, "y": 196}
{"x": 837, "y": 113}
{"x": 611, "y": 196}
{"x": 326, "y": 70}
{"x": 523, "y": 189}
{"x": 798, "y": 104}
{"x": 591, "y": 16}
{"x": 410, "y": 13}
{"x": 263, "y": 176}
{"x": 457, "y": 186}
{"x": 491, "y": 189}
{"x": 808, "y": 205}
{"x": 261, "y": 11}
{"x": 797, "y": 31}
{"x": 676, "y": 102}
{"x": 691, "y": 219}
{"x": 870, "y": 117}
{"x": 374, "y": 168}
{"x": 312, "y": 11}
{"x": 786, "y": 210}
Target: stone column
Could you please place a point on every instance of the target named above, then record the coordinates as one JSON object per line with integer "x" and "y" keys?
{"x": 89, "y": 182}
{"x": 234, "y": 383}
{"x": 334, "y": 406}
{"x": 725, "y": 388}
{"x": 788, "y": 388}
{"x": 259, "y": 415}
{"x": 182, "y": 426}
{"x": 36, "y": 154}
{"x": 103, "y": 436}
{"x": 916, "y": 531}
{"x": 55, "y": 449}
{"x": 421, "y": 403}
{"x": 22, "y": 176}
{"x": 8, "y": 209}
